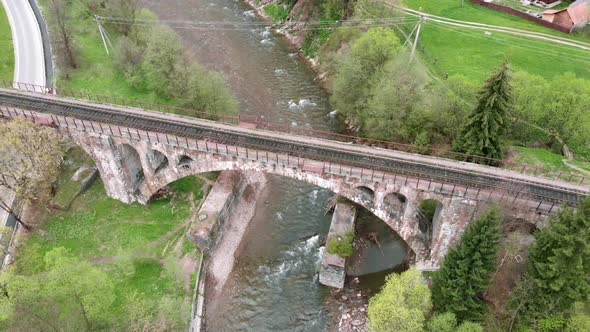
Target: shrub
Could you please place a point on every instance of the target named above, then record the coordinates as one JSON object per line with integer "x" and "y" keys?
{"x": 401, "y": 304}
{"x": 277, "y": 12}
{"x": 341, "y": 245}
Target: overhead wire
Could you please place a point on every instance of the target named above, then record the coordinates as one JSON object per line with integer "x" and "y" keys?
{"x": 508, "y": 35}
{"x": 512, "y": 43}
{"x": 243, "y": 26}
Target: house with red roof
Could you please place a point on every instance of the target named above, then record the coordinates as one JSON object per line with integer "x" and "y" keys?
{"x": 574, "y": 17}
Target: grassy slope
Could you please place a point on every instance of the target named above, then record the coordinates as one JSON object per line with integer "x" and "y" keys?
{"x": 120, "y": 239}
{"x": 474, "y": 54}
{"x": 6, "y": 49}
{"x": 475, "y": 13}
{"x": 97, "y": 226}
{"x": 541, "y": 157}
{"x": 96, "y": 73}
{"x": 549, "y": 161}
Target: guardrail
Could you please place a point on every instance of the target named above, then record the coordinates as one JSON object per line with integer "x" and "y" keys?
{"x": 256, "y": 120}
{"x": 469, "y": 187}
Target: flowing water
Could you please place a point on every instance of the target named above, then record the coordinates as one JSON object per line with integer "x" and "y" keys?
{"x": 265, "y": 73}
{"x": 274, "y": 285}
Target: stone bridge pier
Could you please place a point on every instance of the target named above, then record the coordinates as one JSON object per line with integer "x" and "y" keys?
{"x": 133, "y": 170}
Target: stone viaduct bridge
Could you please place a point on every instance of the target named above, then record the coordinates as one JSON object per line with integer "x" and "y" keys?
{"x": 139, "y": 151}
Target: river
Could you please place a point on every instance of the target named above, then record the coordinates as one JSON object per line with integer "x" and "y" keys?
{"x": 274, "y": 285}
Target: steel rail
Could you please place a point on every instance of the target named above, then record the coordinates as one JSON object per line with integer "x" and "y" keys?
{"x": 522, "y": 168}
{"x": 513, "y": 193}
{"x": 158, "y": 127}
{"x": 101, "y": 111}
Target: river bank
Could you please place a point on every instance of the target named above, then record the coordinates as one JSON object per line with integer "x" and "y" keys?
{"x": 274, "y": 283}
{"x": 295, "y": 39}
{"x": 234, "y": 219}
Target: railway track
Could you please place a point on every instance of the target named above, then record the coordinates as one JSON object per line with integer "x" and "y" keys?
{"x": 291, "y": 144}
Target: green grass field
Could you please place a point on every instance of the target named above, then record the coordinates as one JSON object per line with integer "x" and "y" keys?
{"x": 139, "y": 246}
{"x": 475, "y": 13}
{"x": 540, "y": 157}
{"x": 96, "y": 71}
{"x": 551, "y": 162}
{"x": 475, "y": 54}
{"x": 6, "y": 48}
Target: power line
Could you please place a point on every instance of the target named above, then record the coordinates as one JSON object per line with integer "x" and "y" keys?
{"x": 252, "y": 23}
{"x": 512, "y": 43}
{"x": 508, "y": 36}
{"x": 247, "y": 26}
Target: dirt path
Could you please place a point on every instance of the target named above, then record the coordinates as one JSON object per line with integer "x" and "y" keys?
{"x": 489, "y": 27}
{"x": 194, "y": 211}
{"x": 188, "y": 265}
{"x": 579, "y": 169}
{"x": 169, "y": 234}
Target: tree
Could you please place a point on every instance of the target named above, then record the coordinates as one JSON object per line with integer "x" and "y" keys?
{"x": 162, "y": 53}
{"x": 62, "y": 34}
{"x": 452, "y": 102}
{"x": 354, "y": 79}
{"x": 200, "y": 89}
{"x": 556, "y": 106}
{"x": 401, "y": 305}
{"x": 127, "y": 9}
{"x": 30, "y": 155}
{"x": 447, "y": 322}
{"x": 558, "y": 273}
{"x": 484, "y": 128}
{"x": 129, "y": 56}
{"x": 72, "y": 295}
{"x": 395, "y": 103}
{"x": 466, "y": 269}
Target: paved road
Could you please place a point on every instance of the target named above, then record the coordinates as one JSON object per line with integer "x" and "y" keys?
{"x": 28, "y": 45}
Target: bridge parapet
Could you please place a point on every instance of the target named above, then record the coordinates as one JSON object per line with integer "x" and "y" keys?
{"x": 252, "y": 121}
{"x": 135, "y": 163}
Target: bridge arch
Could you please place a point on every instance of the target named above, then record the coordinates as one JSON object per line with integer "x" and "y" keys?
{"x": 367, "y": 195}
{"x": 395, "y": 204}
{"x": 184, "y": 161}
{"x": 131, "y": 163}
{"x": 428, "y": 214}
{"x": 350, "y": 192}
{"x": 157, "y": 160}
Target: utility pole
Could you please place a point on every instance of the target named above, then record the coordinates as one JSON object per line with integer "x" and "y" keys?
{"x": 104, "y": 35}
{"x": 416, "y": 39}
{"x": 410, "y": 36}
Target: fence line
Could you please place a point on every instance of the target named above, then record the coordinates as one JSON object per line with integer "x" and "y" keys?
{"x": 329, "y": 165}
{"x": 256, "y": 120}
{"x": 526, "y": 16}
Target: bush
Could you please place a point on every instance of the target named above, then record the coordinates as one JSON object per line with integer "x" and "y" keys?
{"x": 341, "y": 245}
{"x": 277, "y": 12}
{"x": 446, "y": 322}
{"x": 355, "y": 78}
{"x": 401, "y": 304}
{"x": 469, "y": 327}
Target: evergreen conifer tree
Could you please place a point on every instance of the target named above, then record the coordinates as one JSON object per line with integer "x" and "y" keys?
{"x": 484, "y": 127}
{"x": 465, "y": 272}
{"x": 558, "y": 273}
